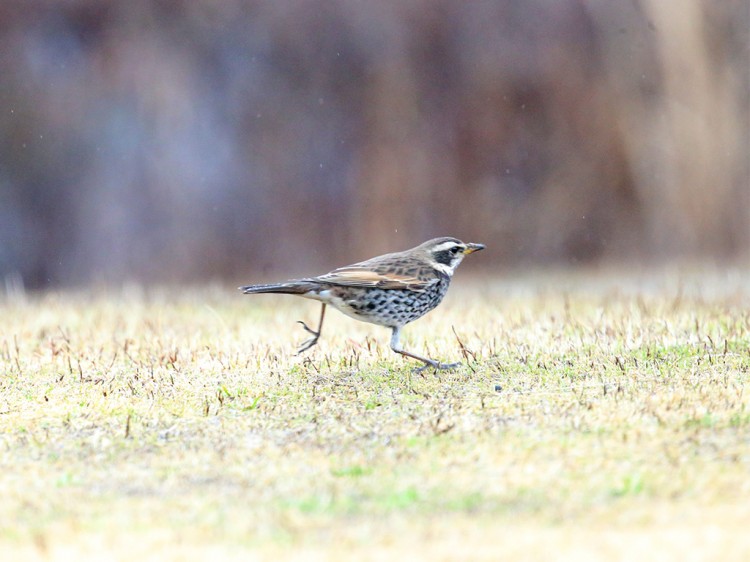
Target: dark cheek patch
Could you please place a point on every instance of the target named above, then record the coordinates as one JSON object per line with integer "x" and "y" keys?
{"x": 444, "y": 257}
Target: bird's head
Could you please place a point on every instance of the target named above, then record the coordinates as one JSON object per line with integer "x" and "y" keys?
{"x": 444, "y": 254}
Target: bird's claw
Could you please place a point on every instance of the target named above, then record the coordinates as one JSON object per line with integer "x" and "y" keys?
{"x": 307, "y": 344}
{"x": 308, "y": 329}
{"x": 437, "y": 365}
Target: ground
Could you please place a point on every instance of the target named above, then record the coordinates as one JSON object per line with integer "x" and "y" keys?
{"x": 593, "y": 417}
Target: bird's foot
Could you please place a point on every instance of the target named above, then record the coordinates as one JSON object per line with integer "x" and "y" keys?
{"x": 437, "y": 365}
{"x": 307, "y": 344}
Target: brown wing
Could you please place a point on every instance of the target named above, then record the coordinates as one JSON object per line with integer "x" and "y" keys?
{"x": 390, "y": 271}
{"x": 363, "y": 277}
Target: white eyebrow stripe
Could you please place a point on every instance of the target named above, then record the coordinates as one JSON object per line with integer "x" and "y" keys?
{"x": 445, "y": 246}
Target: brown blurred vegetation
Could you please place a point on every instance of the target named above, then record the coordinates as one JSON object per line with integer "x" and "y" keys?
{"x": 184, "y": 140}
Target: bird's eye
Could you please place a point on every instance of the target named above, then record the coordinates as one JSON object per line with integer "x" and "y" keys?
{"x": 455, "y": 249}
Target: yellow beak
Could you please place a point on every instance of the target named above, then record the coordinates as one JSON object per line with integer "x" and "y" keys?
{"x": 471, "y": 248}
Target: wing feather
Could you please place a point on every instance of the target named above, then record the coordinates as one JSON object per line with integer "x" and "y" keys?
{"x": 354, "y": 276}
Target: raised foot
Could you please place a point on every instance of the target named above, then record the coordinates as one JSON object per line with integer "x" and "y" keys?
{"x": 307, "y": 344}
{"x": 437, "y": 365}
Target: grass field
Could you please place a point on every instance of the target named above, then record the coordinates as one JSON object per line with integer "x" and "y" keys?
{"x": 592, "y": 418}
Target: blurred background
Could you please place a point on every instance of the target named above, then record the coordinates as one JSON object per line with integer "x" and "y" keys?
{"x": 183, "y": 141}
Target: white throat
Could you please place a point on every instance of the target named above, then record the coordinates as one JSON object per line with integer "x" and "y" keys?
{"x": 448, "y": 270}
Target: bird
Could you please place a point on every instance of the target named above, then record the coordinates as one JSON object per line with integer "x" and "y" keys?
{"x": 391, "y": 290}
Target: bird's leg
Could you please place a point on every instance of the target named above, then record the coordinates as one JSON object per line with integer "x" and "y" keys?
{"x": 396, "y": 346}
{"x": 307, "y": 344}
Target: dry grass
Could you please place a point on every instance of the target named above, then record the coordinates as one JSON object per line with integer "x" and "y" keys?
{"x": 159, "y": 426}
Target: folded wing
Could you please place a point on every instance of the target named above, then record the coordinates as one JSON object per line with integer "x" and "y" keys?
{"x": 361, "y": 276}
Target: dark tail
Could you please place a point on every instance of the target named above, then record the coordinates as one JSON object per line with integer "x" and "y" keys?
{"x": 290, "y": 288}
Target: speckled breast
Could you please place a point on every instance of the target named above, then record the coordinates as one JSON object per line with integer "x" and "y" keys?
{"x": 389, "y": 307}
